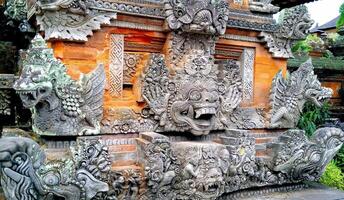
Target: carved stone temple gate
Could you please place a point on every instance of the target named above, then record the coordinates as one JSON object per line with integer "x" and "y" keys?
{"x": 161, "y": 100}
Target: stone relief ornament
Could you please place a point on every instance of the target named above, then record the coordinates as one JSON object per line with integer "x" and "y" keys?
{"x": 199, "y": 16}
{"x": 263, "y": 6}
{"x": 295, "y": 24}
{"x": 289, "y": 95}
{"x": 70, "y": 19}
{"x": 16, "y": 9}
{"x": 206, "y": 170}
{"x": 198, "y": 98}
{"x": 25, "y": 174}
{"x": 60, "y": 105}
{"x": 183, "y": 170}
{"x": 305, "y": 159}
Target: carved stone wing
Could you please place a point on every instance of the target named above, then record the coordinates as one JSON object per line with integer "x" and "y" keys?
{"x": 279, "y": 87}
{"x": 155, "y": 82}
{"x": 93, "y": 91}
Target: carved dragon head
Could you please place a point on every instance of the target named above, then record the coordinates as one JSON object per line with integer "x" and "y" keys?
{"x": 310, "y": 85}
{"x": 40, "y": 71}
{"x": 299, "y": 19}
{"x": 305, "y": 159}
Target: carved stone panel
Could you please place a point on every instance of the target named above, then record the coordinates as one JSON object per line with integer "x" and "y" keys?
{"x": 129, "y": 69}
{"x": 247, "y": 72}
{"x": 116, "y": 64}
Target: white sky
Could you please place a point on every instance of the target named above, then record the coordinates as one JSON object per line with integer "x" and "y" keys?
{"x": 322, "y": 11}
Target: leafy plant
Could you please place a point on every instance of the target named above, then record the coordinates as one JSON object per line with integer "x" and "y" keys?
{"x": 340, "y": 21}
{"x": 307, "y": 45}
{"x": 333, "y": 176}
{"x": 339, "y": 158}
{"x": 312, "y": 117}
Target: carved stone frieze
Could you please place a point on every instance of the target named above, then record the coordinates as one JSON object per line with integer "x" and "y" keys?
{"x": 200, "y": 16}
{"x": 173, "y": 170}
{"x": 60, "y": 105}
{"x": 247, "y": 72}
{"x": 289, "y": 95}
{"x": 206, "y": 170}
{"x": 199, "y": 98}
{"x": 116, "y": 58}
{"x": 295, "y": 24}
{"x": 71, "y": 20}
{"x": 263, "y": 6}
{"x": 183, "y": 170}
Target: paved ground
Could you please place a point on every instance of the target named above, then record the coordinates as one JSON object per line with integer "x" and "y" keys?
{"x": 315, "y": 191}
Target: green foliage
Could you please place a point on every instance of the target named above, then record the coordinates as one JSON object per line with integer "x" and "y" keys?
{"x": 340, "y": 21}
{"x": 312, "y": 117}
{"x": 307, "y": 45}
{"x": 326, "y": 62}
{"x": 339, "y": 158}
{"x": 333, "y": 176}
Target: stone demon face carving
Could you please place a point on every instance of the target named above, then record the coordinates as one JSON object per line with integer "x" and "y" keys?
{"x": 289, "y": 95}
{"x": 196, "y": 99}
{"x": 197, "y": 16}
{"x": 197, "y": 108}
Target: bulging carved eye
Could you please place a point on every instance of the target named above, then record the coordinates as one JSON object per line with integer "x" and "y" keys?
{"x": 51, "y": 179}
{"x": 195, "y": 95}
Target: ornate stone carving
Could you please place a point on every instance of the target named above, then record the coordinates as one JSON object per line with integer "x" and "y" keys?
{"x": 16, "y": 9}
{"x": 183, "y": 170}
{"x": 263, "y": 6}
{"x": 25, "y": 175}
{"x": 200, "y": 97}
{"x": 305, "y": 159}
{"x": 116, "y": 64}
{"x": 294, "y": 26}
{"x": 6, "y": 83}
{"x": 71, "y": 20}
{"x": 5, "y": 102}
{"x": 60, "y": 105}
{"x": 289, "y": 95}
{"x": 200, "y": 16}
{"x": 247, "y": 72}
{"x": 129, "y": 69}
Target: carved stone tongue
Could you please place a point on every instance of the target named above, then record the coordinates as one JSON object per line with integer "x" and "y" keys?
{"x": 204, "y": 111}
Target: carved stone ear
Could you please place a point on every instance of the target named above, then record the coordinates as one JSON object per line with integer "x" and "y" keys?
{"x": 91, "y": 184}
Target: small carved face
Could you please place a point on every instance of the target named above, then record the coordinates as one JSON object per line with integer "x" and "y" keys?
{"x": 198, "y": 110}
{"x": 33, "y": 85}
{"x": 211, "y": 185}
